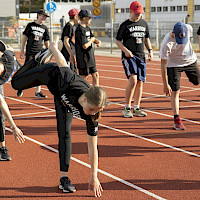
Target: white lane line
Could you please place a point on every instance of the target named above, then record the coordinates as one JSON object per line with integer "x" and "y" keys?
{"x": 134, "y": 135}
{"x": 41, "y": 116}
{"x": 147, "y": 82}
{"x": 122, "y": 72}
{"x": 26, "y": 102}
{"x": 152, "y": 141}
{"x": 115, "y": 88}
{"x": 99, "y": 170}
{"x": 32, "y": 113}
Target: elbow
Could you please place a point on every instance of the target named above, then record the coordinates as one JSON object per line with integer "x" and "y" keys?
{"x": 84, "y": 46}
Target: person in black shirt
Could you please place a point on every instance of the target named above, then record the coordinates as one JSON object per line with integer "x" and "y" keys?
{"x": 73, "y": 96}
{"x": 67, "y": 38}
{"x": 34, "y": 35}
{"x": 8, "y": 66}
{"x": 84, "y": 52}
{"x": 131, "y": 37}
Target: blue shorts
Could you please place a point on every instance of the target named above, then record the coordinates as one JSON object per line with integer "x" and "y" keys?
{"x": 135, "y": 65}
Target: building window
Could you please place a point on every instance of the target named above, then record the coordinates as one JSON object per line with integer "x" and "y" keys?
{"x": 197, "y": 7}
{"x": 122, "y": 10}
{"x": 153, "y": 9}
{"x": 185, "y": 8}
{"x": 127, "y": 10}
{"x": 179, "y": 8}
{"x": 165, "y": 9}
{"x": 117, "y": 10}
{"x": 159, "y": 9}
{"x": 172, "y": 8}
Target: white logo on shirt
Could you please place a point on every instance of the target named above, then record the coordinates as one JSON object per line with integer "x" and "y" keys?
{"x": 75, "y": 110}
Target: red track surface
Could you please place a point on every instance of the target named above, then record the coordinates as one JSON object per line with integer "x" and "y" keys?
{"x": 141, "y": 158}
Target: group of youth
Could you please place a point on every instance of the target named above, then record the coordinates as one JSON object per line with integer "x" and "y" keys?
{"x": 72, "y": 93}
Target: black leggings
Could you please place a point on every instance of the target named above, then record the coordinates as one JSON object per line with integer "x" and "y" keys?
{"x": 32, "y": 75}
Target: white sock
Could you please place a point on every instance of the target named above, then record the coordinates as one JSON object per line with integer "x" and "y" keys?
{"x": 127, "y": 106}
{"x": 136, "y": 106}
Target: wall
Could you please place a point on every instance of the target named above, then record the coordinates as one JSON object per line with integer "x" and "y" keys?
{"x": 8, "y": 8}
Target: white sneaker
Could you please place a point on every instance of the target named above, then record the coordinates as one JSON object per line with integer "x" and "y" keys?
{"x": 127, "y": 113}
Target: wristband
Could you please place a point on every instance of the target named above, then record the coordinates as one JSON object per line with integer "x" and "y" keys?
{"x": 150, "y": 50}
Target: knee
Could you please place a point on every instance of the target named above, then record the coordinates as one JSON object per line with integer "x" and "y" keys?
{"x": 14, "y": 84}
{"x": 132, "y": 81}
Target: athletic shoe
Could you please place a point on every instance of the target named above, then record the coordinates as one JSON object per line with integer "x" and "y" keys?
{"x": 40, "y": 95}
{"x": 4, "y": 154}
{"x": 139, "y": 113}
{"x": 127, "y": 113}
{"x": 19, "y": 93}
{"x": 43, "y": 55}
{"x": 3, "y": 47}
{"x": 178, "y": 125}
{"x": 46, "y": 55}
{"x": 66, "y": 186}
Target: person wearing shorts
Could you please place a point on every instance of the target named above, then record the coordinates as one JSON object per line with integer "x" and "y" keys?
{"x": 177, "y": 56}
{"x": 84, "y": 39}
{"x": 132, "y": 35}
{"x": 68, "y": 39}
{"x": 73, "y": 96}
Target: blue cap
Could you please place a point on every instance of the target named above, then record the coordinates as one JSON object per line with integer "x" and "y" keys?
{"x": 181, "y": 33}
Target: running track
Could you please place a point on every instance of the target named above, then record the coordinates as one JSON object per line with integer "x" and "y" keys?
{"x": 139, "y": 158}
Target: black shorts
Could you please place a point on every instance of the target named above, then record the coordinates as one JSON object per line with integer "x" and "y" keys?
{"x": 87, "y": 71}
{"x": 174, "y": 75}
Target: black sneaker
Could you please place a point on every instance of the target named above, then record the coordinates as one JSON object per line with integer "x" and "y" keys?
{"x": 4, "y": 154}
{"x": 19, "y": 93}
{"x": 3, "y": 47}
{"x": 40, "y": 95}
{"x": 66, "y": 186}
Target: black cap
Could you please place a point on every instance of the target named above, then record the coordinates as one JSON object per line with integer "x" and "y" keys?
{"x": 7, "y": 60}
{"x": 85, "y": 13}
{"x": 42, "y": 12}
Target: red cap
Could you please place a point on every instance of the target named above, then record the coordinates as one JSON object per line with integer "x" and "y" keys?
{"x": 73, "y": 12}
{"x": 137, "y": 7}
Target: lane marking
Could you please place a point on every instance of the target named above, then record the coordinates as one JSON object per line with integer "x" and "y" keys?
{"x": 122, "y": 72}
{"x": 154, "y": 83}
{"x": 99, "y": 170}
{"x": 24, "y": 114}
{"x": 134, "y": 135}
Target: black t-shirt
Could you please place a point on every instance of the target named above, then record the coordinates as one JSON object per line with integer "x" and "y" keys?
{"x": 36, "y": 33}
{"x": 133, "y": 34}
{"x": 84, "y": 57}
{"x": 67, "y": 87}
{"x": 198, "y": 32}
{"x": 68, "y": 31}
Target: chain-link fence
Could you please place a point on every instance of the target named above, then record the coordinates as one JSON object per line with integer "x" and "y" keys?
{"x": 11, "y": 33}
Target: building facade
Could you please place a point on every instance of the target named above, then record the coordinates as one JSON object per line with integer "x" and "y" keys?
{"x": 163, "y": 10}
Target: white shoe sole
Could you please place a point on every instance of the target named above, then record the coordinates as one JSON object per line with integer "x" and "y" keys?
{"x": 49, "y": 54}
{"x": 127, "y": 116}
{"x": 65, "y": 191}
